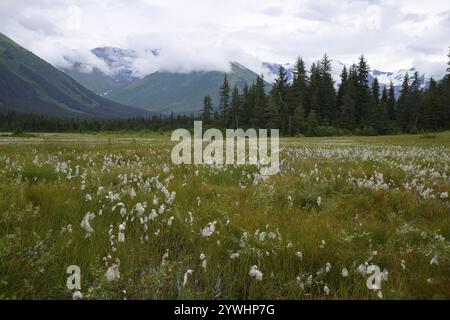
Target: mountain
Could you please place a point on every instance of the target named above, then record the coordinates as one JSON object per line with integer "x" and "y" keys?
{"x": 384, "y": 78}
{"x": 118, "y": 63}
{"x": 29, "y": 84}
{"x": 180, "y": 92}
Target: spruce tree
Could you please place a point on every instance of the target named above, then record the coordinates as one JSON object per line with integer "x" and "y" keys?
{"x": 272, "y": 112}
{"x": 224, "y": 101}
{"x": 299, "y": 122}
{"x": 207, "y": 110}
{"x": 297, "y": 93}
{"x": 391, "y": 102}
{"x": 363, "y": 93}
{"x": 235, "y": 108}
{"x": 344, "y": 78}
{"x": 327, "y": 92}
{"x": 347, "y": 114}
{"x": 278, "y": 97}
{"x": 258, "y": 119}
{"x": 403, "y": 104}
{"x": 313, "y": 100}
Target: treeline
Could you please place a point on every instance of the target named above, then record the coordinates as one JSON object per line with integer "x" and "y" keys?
{"x": 311, "y": 104}
{"x": 14, "y": 122}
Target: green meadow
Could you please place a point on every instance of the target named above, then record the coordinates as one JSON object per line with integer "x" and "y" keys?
{"x": 140, "y": 227}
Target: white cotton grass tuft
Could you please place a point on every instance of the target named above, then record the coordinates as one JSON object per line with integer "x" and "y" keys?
{"x": 113, "y": 273}
{"x": 77, "y": 295}
{"x": 255, "y": 273}
{"x": 209, "y": 229}
{"x": 152, "y": 215}
{"x": 319, "y": 201}
{"x": 234, "y": 255}
{"x": 434, "y": 261}
{"x": 86, "y": 223}
{"x": 326, "y": 290}
{"x": 344, "y": 272}
{"x": 322, "y": 244}
{"x": 139, "y": 208}
{"x": 403, "y": 264}
{"x": 299, "y": 255}
{"x": 189, "y": 272}
{"x": 121, "y": 236}
{"x": 379, "y": 294}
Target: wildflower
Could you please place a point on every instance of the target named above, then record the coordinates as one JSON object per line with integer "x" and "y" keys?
{"x": 255, "y": 273}
{"x": 120, "y": 204}
{"x": 434, "y": 260}
{"x": 88, "y": 197}
{"x": 202, "y": 257}
{"x": 384, "y": 275}
{"x": 113, "y": 273}
{"x": 77, "y": 295}
{"x": 362, "y": 269}
{"x": 299, "y": 255}
{"x": 344, "y": 273}
{"x": 322, "y": 244}
{"x": 139, "y": 209}
{"x": 86, "y": 225}
{"x": 444, "y": 195}
{"x": 234, "y": 255}
{"x": 326, "y": 290}
{"x": 262, "y": 236}
{"x": 123, "y": 211}
{"x": 155, "y": 202}
{"x": 403, "y": 264}
{"x": 162, "y": 208}
{"x": 121, "y": 237}
{"x": 170, "y": 221}
{"x": 164, "y": 258}
{"x": 153, "y": 215}
{"x": 171, "y": 198}
{"x": 327, "y": 267}
{"x": 100, "y": 190}
{"x": 319, "y": 201}
{"x": 132, "y": 193}
{"x": 379, "y": 294}
{"x": 185, "y": 278}
{"x": 189, "y": 219}
{"x": 209, "y": 229}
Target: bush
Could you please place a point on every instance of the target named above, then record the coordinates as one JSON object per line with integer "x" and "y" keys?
{"x": 327, "y": 131}
{"x": 366, "y": 131}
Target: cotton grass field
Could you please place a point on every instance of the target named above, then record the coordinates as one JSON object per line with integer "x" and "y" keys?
{"x": 140, "y": 227}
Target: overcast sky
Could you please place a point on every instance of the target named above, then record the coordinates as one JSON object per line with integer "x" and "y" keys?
{"x": 205, "y": 35}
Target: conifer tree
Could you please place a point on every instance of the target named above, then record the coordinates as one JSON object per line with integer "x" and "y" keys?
{"x": 327, "y": 92}
{"x": 235, "y": 108}
{"x": 224, "y": 101}
{"x": 313, "y": 101}
{"x": 363, "y": 93}
{"x": 258, "y": 119}
{"x": 207, "y": 110}
{"x": 391, "y": 102}
{"x": 278, "y": 97}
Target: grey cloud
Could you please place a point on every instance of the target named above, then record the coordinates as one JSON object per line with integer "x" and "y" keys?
{"x": 206, "y": 35}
